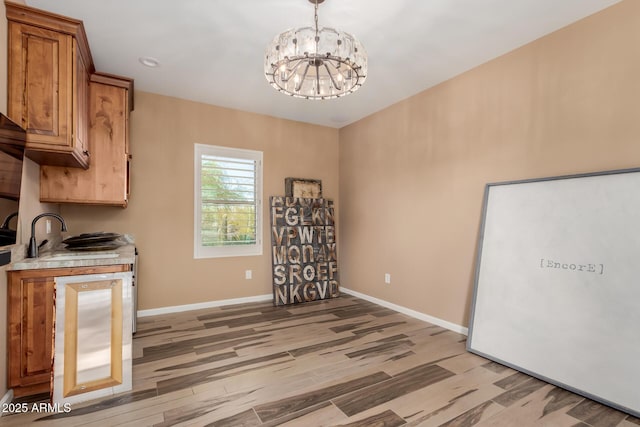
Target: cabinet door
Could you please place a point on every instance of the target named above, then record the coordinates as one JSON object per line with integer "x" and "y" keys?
{"x": 106, "y": 181}
{"x": 46, "y": 90}
{"x": 40, "y": 73}
{"x": 31, "y": 309}
{"x": 93, "y": 337}
{"x": 10, "y": 176}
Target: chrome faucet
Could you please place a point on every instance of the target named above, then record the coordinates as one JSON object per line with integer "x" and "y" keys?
{"x": 33, "y": 246}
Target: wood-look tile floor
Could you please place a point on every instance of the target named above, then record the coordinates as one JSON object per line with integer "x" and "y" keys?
{"x": 339, "y": 362}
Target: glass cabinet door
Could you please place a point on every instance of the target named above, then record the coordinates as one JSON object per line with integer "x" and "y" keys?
{"x": 92, "y": 355}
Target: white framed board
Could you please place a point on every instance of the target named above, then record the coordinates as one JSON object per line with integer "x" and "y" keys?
{"x": 557, "y": 286}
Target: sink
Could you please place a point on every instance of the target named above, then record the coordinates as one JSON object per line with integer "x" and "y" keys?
{"x": 75, "y": 256}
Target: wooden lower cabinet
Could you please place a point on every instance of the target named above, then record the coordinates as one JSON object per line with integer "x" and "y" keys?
{"x": 30, "y": 341}
{"x": 31, "y": 314}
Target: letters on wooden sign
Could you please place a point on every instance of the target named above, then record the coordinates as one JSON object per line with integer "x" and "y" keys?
{"x": 303, "y": 250}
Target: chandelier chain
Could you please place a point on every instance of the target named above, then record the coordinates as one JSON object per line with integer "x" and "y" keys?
{"x": 315, "y": 17}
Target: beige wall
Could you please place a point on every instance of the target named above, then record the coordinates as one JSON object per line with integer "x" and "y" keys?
{"x": 412, "y": 176}
{"x": 160, "y": 212}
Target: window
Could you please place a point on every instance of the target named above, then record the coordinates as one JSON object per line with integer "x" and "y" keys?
{"x": 228, "y": 200}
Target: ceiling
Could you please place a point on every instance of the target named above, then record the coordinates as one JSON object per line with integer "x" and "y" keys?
{"x": 212, "y": 51}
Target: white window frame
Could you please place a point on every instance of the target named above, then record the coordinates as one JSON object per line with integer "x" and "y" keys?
{"x": 201, "y": 251}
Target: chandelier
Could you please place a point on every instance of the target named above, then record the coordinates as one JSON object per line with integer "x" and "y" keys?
{"x": 315, "y": 63}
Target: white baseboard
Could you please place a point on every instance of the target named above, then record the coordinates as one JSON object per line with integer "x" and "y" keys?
{"x": 6, "y": 399}
{"x": 261, "y": 298}
{"x": 201, "y": 305}
{"x": 404, "y": 310}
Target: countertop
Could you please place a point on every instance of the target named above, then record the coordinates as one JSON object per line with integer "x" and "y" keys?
{"x": 62, "y": 258}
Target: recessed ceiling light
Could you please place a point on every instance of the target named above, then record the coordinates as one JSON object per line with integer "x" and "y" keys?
{"x": 148, "y": 61}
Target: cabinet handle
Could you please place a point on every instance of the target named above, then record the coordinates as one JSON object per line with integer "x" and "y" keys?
{"x": 86, "y": 153}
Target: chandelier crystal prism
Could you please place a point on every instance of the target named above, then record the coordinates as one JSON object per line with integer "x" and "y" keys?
{"x": 315, "y": 62}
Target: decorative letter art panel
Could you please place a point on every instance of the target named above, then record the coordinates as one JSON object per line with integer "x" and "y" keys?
{"x": 303, "y": 250}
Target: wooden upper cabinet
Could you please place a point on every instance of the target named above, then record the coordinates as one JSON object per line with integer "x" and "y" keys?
{"x": 49, "y": 68}
{"x": 106, "y": 182}
{"x": 10, "y": 176}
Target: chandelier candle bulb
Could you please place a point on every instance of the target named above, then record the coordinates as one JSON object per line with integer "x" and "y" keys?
{"x": 315, "y": 62}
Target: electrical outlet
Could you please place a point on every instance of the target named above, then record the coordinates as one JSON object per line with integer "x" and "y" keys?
{"x": 387, "y": 278}
{"x": 247, "y": 274}
{"x": 48, "y": 226}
